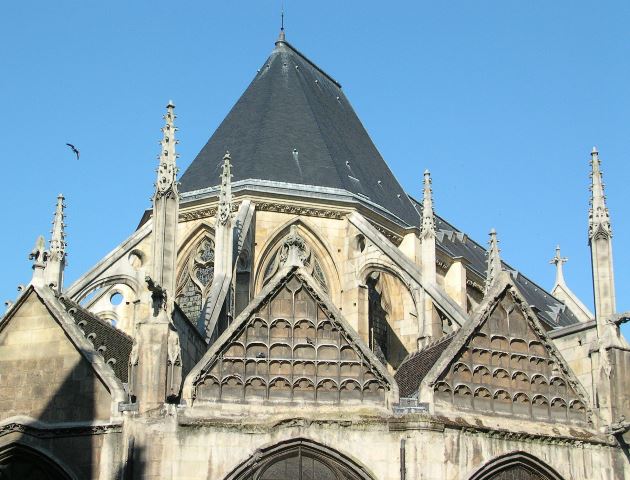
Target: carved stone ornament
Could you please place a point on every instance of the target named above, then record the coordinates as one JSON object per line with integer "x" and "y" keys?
{"x": 39, "y": 254}
{"x": 166, "y": 180}
{"x": 294, "y": 242}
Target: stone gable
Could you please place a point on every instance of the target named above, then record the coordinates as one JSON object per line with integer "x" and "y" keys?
{"x": 42, "y": 374}
{"x": 507, "y": 366}
{"x": 292, "y": 348}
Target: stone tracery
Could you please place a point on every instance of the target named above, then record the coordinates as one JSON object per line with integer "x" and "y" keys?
{"x": 195, "y": 278}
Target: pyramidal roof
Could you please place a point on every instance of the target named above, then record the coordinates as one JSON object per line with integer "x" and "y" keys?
{"x": 294, "y": 125}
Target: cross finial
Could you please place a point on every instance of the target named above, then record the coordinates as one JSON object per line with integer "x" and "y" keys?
{"x": 558, "y": 261}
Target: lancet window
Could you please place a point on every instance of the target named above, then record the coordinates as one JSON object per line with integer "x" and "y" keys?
{"x": 195, "y": 279}
{"x": 377, "y": 318}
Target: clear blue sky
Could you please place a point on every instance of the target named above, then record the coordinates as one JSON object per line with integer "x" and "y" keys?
{"x": 501, "y": 100}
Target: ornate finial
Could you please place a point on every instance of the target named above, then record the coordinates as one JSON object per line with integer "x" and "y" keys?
{"x": 494, "y": 260}
{"x": 39, "y": 253}
{"x": 558, "y": 260}
{"x": 167, "y": 170}
{"x": 57, "y": 248}
{"x": 428, "y": 220}
{"x": 598, "y": 216}
{"x": 294, "y": 251}
{"x": 57, "y": 240}
{"x": 225, "y": 195}
{"x": 39, "y": 256}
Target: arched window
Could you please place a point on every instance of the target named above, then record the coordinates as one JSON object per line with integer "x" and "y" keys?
{"x": 515, "y": 466}
{"x": 19, "y": 461}
{"x": 195, "y": 278}
{"x": 299, "y": 459}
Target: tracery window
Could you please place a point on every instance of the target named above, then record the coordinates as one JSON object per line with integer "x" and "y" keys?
{"x": 195, "y": 279}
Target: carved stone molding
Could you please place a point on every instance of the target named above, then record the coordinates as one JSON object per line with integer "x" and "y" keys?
{"x": 59, "y": 431}
{"x": 391, "y": 236}
{"x": 210, "y": 212}
{"x": 299, "y": 210}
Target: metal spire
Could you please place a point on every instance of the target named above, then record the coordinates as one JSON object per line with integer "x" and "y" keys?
{"x": 428, "y": 220}
{"x": 558, "y": 261}
{"x": 57, "y": 248}
{"x": 167, "y": 170}
{"x": 281, "y": 38}
{"x": 494, "y": 260}
{"x": 598, "y": 216}
{"x": 225, "y": 195}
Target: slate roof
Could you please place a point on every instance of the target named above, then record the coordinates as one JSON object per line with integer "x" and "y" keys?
{"x": 415, "y": 367}
{"x": 551, "y": 311}
{"x": 294, "y": 125}
{"x": 117, "y": 344}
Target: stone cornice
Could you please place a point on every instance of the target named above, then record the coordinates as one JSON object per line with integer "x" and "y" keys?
{"x": 57, "y": 431}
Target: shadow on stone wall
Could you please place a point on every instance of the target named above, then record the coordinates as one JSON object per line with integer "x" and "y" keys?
{"x": 63, "y": 444}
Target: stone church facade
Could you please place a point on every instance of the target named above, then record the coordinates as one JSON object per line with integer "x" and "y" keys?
{"x": 286, "y": 311}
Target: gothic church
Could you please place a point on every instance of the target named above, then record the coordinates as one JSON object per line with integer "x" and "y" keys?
{"x": 286, "y": 311}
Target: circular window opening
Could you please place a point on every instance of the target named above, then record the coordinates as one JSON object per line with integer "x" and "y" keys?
{"x": 116, "y": 299}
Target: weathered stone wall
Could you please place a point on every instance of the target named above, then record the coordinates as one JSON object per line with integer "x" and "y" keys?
{"x": 42, "y": 374}
{"x": 211, "y": 449}
{"x": 575, "y": 349}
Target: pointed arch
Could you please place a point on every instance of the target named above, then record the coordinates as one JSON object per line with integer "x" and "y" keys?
{"x": 513, "y": 463}
{"x": 329, "y": 275}
{"x": 389, "y": 299}
{"x": 20, "y": 461}
{"x": 195, "y": 270}
{"x": 293, "y": 456}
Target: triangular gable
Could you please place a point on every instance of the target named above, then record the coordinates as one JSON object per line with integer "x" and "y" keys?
{"x": 290, "y": 345}
{"x": 503, "y": 362}
{"x": 39, "y": 334}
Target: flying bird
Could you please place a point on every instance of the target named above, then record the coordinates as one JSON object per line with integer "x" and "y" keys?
{"x": 74, "y": 149}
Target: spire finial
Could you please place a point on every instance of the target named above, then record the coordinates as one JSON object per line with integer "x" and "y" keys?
{"x": 558, "y": 261}
{"x": 57, "y": 247}
{"x": 428, "y": 220}
{"x": 225, "y": 195}
{"x": 167, "y": 170}
{"x": 494, "y": 260}
{"x": 281, "y": 37}
{"x": 598, "y": 215}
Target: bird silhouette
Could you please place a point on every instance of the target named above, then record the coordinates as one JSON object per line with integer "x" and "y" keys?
{"x": 74, "y": 149}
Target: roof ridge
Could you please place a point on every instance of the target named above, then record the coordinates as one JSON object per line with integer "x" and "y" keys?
{"x": 307, "y": 60}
